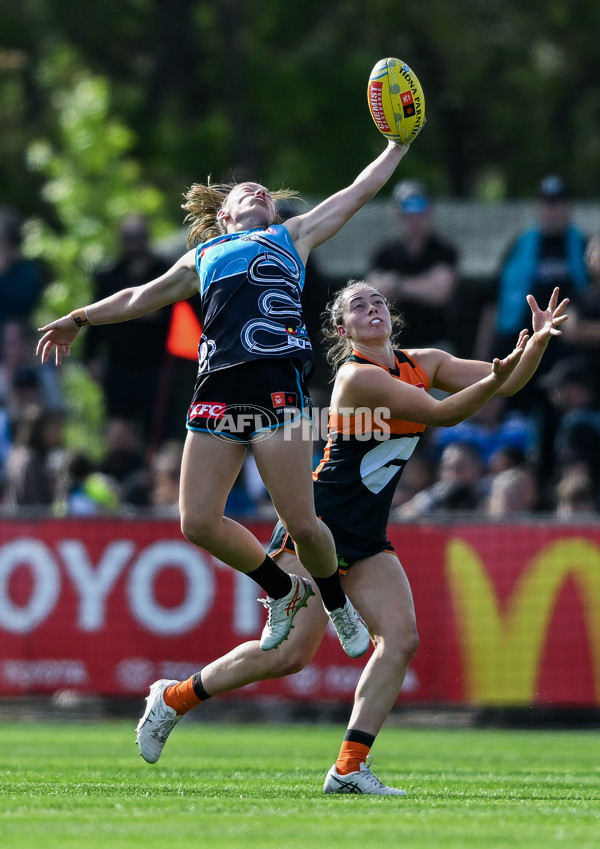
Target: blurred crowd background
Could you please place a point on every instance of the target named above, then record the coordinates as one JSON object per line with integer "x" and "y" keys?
{"x": 110, "y": 113}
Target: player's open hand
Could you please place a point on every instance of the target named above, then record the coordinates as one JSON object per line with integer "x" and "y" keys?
{"x": 502, "y": 369}
{"x": 546, "y": 323}
{"x": 59, "y": 334}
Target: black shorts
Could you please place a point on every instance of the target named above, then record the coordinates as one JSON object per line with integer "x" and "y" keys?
{"x": 249, "y": 401}
{"x": 347, "y": 550}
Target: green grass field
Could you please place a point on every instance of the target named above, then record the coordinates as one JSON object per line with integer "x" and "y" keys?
{"x": 84, "y": 785}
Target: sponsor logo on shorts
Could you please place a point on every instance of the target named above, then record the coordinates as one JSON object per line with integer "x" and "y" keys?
{"x": 207, "y": 410}
{"x": 284, "y": 399}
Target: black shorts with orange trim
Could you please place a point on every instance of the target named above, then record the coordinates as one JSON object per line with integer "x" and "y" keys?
{"x": 249, "y": 401}
{"x": 349, "y": 548}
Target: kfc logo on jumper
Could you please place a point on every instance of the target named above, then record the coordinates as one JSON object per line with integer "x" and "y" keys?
{"x": 207, "y": 410}
{"x": 284, "y": 399}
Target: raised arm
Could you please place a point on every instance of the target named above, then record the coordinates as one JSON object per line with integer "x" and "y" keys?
{"x": 370, "y": 386}
{"x": 327, "y": 218}
{"x": 452, "y": 374}
{"x": 177, "y": 284}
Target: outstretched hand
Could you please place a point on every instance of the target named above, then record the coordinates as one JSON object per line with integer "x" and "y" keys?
{"x": 504, "y": 368}
{"x": 59, "y": 334}
{"x": 546, "y": 323}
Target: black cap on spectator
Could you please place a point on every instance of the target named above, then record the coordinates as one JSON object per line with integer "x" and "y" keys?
{"x": 571, "y": 370}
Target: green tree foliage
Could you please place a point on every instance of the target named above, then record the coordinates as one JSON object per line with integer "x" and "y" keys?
{"x": 277, "y": 90}
{"x": 90, "y": 182}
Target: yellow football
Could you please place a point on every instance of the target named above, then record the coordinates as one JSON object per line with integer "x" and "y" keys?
{"x": 396, "y": 100}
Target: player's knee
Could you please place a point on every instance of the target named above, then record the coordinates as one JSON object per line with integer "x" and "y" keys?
{"x": 197, "y": 529}
{"x": 289, "y": 661}
{"x": 407, "y": 644}
{"x": 410, "y": 643}
{"x": 398, "y": 648}
{"x": 304, "y": 530}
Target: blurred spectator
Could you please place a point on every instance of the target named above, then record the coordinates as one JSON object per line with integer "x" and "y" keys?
{"x": 127, "y": 358}
{"x": 5, "y": 440}
{"x": 512, "y": 491}
{"x": 571, "y": 390}
{"x": 24, "y": 379}
{"x": 505, "y": 457}
{"x": 165, "y": 474}
{"x": 458, "y": 486}
{"x": 155, "y": 485}
{"x": 417, "y": 272}
{"x": 549, "y": 254}
{"x": 416, "y": 476}
{"x": 30, "y": 471}
{"x": 582, "y": 331}
{"x": 575, "y": 494}
{"x": 123, "y": 450}
{"x": 21, "y": 280}
{"x": 490, "y": 429}
{"x": 83, "y": 491}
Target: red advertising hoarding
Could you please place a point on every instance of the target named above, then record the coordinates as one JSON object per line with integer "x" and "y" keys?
{"x": 507, "y": 614}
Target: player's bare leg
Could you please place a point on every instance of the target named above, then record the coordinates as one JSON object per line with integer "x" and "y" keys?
{"x": 169, "y": 700}
{"x": 383, "y": 597}
{"x": 246, "y": 663}
{"x": 209, "y": 469}
{"x": 285, "y": 464}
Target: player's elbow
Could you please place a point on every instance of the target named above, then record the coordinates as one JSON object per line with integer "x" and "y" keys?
{"x": 447, "y": 419}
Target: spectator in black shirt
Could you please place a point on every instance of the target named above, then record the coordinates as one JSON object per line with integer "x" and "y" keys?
{"x": 417, "y": 272}
{"x": 127, "y": 358}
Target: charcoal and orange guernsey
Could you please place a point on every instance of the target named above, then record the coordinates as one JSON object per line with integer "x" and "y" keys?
{"x": 362, "y": 462}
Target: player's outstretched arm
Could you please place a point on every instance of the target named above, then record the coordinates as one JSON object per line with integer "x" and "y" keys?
{"x": 177, "y": 284}
{"x": 372, "y": 387}
{"x": 327, "y": 218}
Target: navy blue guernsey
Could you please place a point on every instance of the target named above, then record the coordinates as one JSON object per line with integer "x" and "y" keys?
{"x": 250, "y": 289}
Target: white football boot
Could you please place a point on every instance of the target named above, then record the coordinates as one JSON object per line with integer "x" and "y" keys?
{"x": 281, "y": 612}
{"x": 362, "y": 781}
{"x": 157, "y": 722}
{"x": 352, "y": 632}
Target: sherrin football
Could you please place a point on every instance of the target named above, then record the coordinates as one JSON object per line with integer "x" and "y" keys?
{"x": 396, "y": 100}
